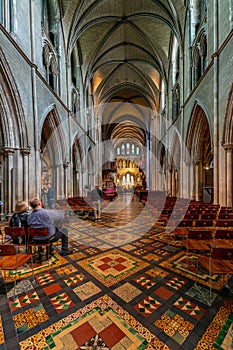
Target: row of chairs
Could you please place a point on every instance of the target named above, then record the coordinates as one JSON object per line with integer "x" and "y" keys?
{"x": 26, "y": 238}
{"x": 12, "y": 260}
{"x": 215, "y": 253}
{"x": 16, "y": 238}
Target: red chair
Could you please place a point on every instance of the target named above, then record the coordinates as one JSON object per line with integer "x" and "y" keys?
{"x": 204, "y": 223}
{"x": 11, "y": 260}
{"x": 219, "y": 262}
{"x": 185, "y": 223}
{"x": 224, "y": 223}
{"x": 208, "y": 216}
{"x": 223, "y": 238}
{"x": 198, "y": 240}
{"x": 17, "y": 236}
{"x": 191, "y": 216}
{"x": 225, "y": 216}
{"x": 33, "y": 233}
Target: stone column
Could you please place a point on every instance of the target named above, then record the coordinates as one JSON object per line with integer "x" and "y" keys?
{"x": 25, "y": 153}
{"x": 216, "y": 99}
{"x": 65, "y": 167}
{"x": 187, "y": 180}
{"x": 229, "y": 177}
{"x": 8, "y": 183}
{"x": 197, "y": 180}
{"x": 169, "y": 182}
{"x": 192, "y": 175}
{"x": 173, "y": 182}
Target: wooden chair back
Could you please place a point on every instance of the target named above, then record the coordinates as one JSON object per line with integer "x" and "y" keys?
{"x": 37, "y": 232}
{"x": 222, "y": 254}
{"x": 224, "y": 234}
{"x": 224, "y": 223}
{"x": 34, "y": 241}
{"x": 7, "y": 250}
{"x": 200, "y": 234}
{"x": 16, "y": 233}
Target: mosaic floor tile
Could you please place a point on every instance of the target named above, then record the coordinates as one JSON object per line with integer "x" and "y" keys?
{"x": 186, "y": 265}
{"x": 1, "y": 332}
{"x": 190, "y": 308}
{"x": 147, "y": 306}
{"x": 127, "y": 247}
{"x": 78, "y": 256}
{"x": 138, "y": 244}
{"x": 144, "y": 282}
{"x": 51, "y": 289}
{"x": 117, "y": 239}
{"x": 45, "y": 278}
{"x": 176, "y": 282}
{"x": 174, "y": 326}
{"x": 29, "y": 318}
{"x": 139, "y": 252}
{"x": 163, "y": 293}
{"x": 55, "y": 260}
{"x": 66, "y": 270}
{"x": 157, "y": 273}
{"x": 101, "y": 321}
{"x": 86, "y": 290}
{"x": 201, "y": 294}
{"x": 127, "y": 292}
{"x": 73, "y": 280}
{"x": 22, "y": 286}
{"x": 23, "y": 301}
{"x": 111, "y": 267}
{"x": 61, "y": 302}
{"x": 152, "y": 257}
{"x": 216, "y": 332}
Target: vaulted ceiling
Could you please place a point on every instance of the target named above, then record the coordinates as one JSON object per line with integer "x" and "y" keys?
{"x": 124, "y": 48}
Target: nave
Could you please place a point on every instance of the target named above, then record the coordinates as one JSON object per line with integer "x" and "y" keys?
{"x": 127, "y": 286}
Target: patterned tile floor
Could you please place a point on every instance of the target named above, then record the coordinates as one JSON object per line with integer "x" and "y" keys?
{"x": 126, "y": 286}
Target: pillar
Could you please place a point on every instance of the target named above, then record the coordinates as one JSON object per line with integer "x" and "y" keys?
{"x": 25, "y": 153}
{"x": 197, "y": 180}
{"x": 8, "y": 183}
{"x": 65, "y": 167}
{"x": 229, "y": 173}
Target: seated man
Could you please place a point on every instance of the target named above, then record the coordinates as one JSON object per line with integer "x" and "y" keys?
{"x": 39, "y": 218}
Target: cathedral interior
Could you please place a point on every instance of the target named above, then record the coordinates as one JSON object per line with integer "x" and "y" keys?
{"x": 134, "y": 96}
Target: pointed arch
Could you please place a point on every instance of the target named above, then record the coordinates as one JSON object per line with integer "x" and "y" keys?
{"x": 228, "y": 121}
{"x": 199, "y": 133}
{"x": 12, "y": 118}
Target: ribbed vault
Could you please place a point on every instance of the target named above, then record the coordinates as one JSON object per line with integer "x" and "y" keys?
{"x": 123, "y": 50}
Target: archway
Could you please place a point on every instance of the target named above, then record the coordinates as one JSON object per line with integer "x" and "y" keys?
{"x": 77, "y": 159}
{"x": 54, "y": 162}
{"x": 175, "y": 167}
{"x": 14, "y": 142}
{"x": 228, "y": 147}
{"x": 200, "y": 147}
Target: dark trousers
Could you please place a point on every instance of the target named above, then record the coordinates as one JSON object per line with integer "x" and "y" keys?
{"x": 63, "y": 235}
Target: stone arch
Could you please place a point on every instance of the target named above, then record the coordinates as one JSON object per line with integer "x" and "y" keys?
{"x": 199, "y": 144}
{"x": 227, "y": 142}
{"x": 228, "y": 122}
{"x": 175, "y": 164}
{"x": 54, "y": 153}
{"x": 77, "y": 162}
{"x": 14, "y": 144}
